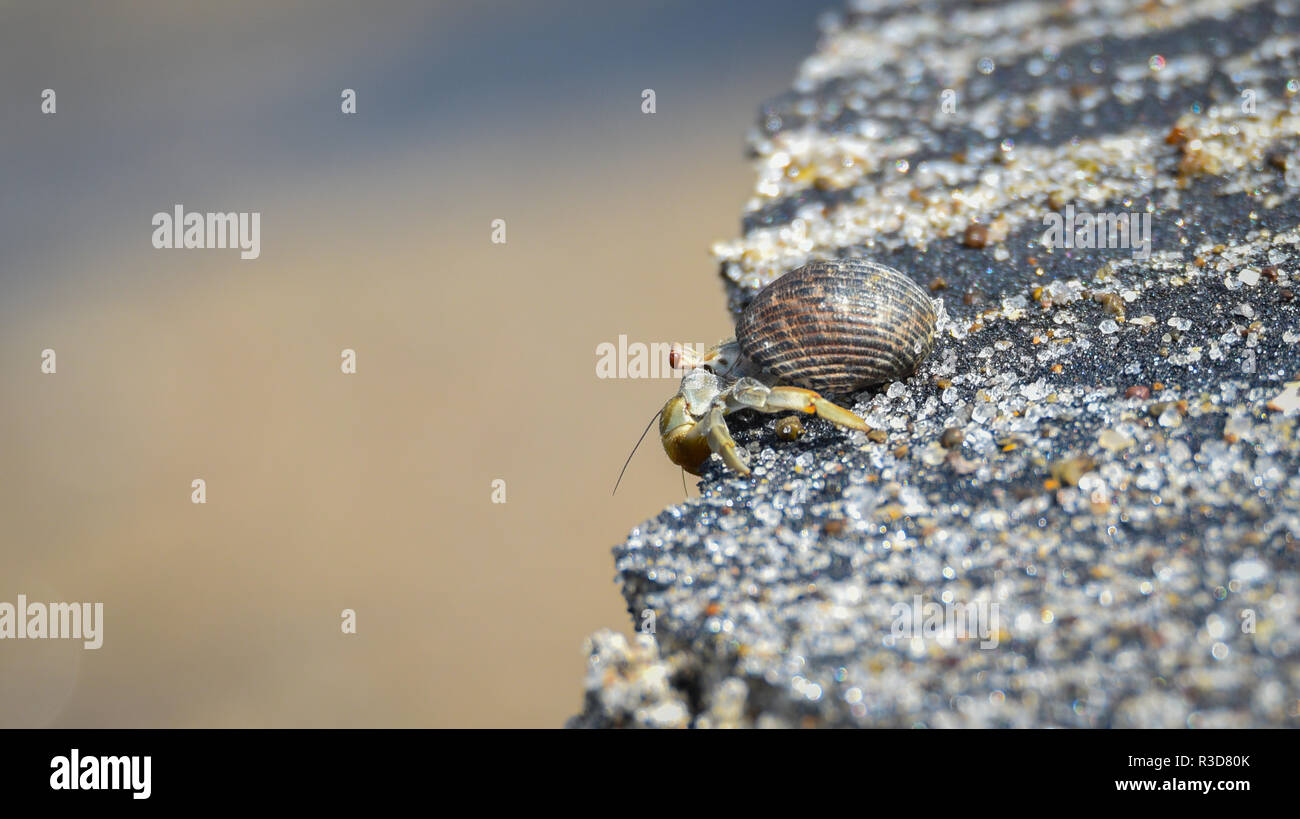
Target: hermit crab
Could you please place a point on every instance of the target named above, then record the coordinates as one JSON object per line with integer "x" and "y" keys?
{"x": 829, "y": 327}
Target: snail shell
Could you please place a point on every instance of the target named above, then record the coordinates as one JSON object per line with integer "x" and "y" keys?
{"x": 838, "y": 326}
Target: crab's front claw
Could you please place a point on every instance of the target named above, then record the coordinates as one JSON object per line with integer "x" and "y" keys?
{"x": 682, "y": 437}
{"x": 689, "y": 442}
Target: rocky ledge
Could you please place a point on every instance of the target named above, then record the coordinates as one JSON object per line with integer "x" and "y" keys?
{"x": 1083, "y": 510}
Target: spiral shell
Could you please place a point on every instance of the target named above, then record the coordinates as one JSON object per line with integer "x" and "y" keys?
{"x": 838, "y": 326}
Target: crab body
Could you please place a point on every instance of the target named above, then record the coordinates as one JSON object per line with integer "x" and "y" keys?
{"x": 829, "y": 327}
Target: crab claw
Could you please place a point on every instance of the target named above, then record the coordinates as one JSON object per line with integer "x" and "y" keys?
{"x": 689, "y": 441}
{"x": 682, "y": 436}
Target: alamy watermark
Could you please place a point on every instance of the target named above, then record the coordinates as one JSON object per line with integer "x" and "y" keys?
{"x": 1119, "y": 230}
{"x": 52, "y": 621}
{"x": 641, "y": 360}
{"x": 75, "y": 772}
{"x": 949, "y": 621}
{"x": 208, "y": 231}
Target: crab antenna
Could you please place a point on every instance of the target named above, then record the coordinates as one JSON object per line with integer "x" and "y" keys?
{"x": 653, "y": 418}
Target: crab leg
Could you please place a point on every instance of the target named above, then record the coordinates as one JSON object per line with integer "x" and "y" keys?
{"x": 751, "y": 394}
{"x": 720, "y": 440}
{"x": 795, "y": 398}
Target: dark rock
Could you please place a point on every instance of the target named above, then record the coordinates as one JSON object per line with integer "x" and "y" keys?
{"x": 1154, "y": 581}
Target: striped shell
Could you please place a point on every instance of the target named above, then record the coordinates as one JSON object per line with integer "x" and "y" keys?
{"x": 838, "y": 326}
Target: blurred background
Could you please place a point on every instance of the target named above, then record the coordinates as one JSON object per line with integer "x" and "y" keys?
{"x": 475, "y": 361}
